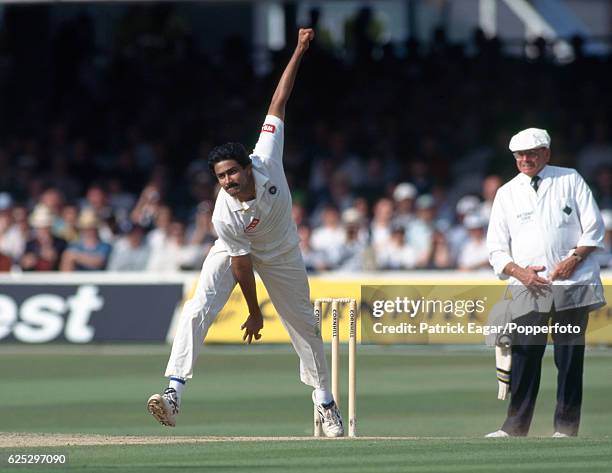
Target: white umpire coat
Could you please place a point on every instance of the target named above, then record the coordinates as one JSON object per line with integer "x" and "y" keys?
{"x": 542, "y": 229}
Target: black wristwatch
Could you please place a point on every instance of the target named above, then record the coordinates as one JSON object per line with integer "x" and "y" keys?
{"x": 577, "y": 256}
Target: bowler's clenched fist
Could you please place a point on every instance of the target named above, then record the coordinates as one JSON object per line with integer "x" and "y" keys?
{"x": 305, "y": 36}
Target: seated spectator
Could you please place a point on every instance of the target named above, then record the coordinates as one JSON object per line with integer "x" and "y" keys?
{"x": 380, "y": 228}
{"x": 97, "y": 199}
{"x": 147, "y": 207}
{"x": 53, "y": 200}
{"x": 44, "y": 251}
{"x": 14, "y": 228}
{"x": 404, "y": 196}
{"x": 330, "y": 236}
{"x": 89, "y": 253}
{"x": 396, "y": 254}
{"x": 176, "y": 253}
{"x": 69, "y": 220}
{"x": 420, "y": 233}
{"x": 438, "y": 256}
{"x": 120, "y": 200}
{"x": 474, "y": 254}
{"x": 162, "y": 219}
{"x": 130, "y": 252}
{"x": 490, "y": 185}
{"x": 457, "y": 235}
{"x": 353, "y": 252}
{"x": 314, "y": 260}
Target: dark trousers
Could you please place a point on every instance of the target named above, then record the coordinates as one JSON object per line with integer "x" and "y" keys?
{"x": 527, "y": 353}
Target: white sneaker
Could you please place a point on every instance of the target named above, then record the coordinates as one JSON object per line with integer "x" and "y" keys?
{"x": 331, "y": 420}
{"x": 497, "y": 434}
{"x": 164, "y": 407}
{"x": 559, "y": 435}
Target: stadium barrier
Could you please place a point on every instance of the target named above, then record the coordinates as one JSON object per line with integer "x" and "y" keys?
{"x": 143, "y": 307}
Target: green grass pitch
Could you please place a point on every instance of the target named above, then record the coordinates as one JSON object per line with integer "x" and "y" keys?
{"x": 441, "y": 400}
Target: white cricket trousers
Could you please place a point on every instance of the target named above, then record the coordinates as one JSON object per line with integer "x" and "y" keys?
{"x": 287, "y": 284}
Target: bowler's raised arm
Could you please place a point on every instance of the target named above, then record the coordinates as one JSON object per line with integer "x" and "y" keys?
{"x": 285, "y": 84}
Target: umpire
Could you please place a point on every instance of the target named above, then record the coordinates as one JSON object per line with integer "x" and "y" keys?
{"x": 543, "y": 229}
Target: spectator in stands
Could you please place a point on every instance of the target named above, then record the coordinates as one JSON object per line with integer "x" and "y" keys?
{"x": 120, "y": 200}
{"x": 148, "y": 206}
{"x": 404, "y": 196}
{"x": 439, "y": 253}
{"x": 14, "y": 228}
{"x": 420, "y": 233}
{"x": 156, "y": 238}
{"x": 97, "y": 200}
{"x": 43, "y": 252}
{"x": 474, "y": 254}
{"x": 458, "y": 234}
{"x": 490, "y": 184}
{"x": 330, "y": 236}
{"x": 176, "y": 253}
{"x": 314, "y": 260}
{"x": 69, "y": 223}
{"x": 354, "y": 251}
{"x": 89, "y": 253}
{"x": 130, "y": 252}
{"x": 396, "y": 255}
{"x": 380, "y": 228}
{"x": 53, "y": 200}
{"x": 340, "y": 194}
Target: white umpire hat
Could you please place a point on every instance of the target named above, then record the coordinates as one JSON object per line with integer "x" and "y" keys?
{"x": 530, "y": 138}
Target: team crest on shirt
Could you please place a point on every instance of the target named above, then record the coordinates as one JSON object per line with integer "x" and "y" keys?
{"x": 268, "y": 128}
{"x": 251, "y": 226}
{"x": 272, "y": 190}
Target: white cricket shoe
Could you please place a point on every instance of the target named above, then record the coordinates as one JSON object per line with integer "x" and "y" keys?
{"x": 331, "y": 420}
{"x": 164, "y": 407}
{"x": 559, "y": 435}
{"x": 497, "y": 434}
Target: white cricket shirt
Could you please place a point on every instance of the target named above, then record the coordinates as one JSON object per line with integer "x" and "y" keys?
{"x": 264, "y": 226}
{"x": 543, "y": 228}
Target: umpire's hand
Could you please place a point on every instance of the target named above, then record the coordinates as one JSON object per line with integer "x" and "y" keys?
{"x": 251, "y": 326}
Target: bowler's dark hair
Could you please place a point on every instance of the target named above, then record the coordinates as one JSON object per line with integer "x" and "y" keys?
{"x": 234, "y": 151}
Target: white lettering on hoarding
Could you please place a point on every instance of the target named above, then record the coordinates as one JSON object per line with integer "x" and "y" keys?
{"x": 40, "y": 318}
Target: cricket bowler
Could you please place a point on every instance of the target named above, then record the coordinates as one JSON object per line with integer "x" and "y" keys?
{"x": 252, "y": 218}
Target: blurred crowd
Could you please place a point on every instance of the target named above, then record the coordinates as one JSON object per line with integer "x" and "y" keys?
{"x": 393, "y": 152}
